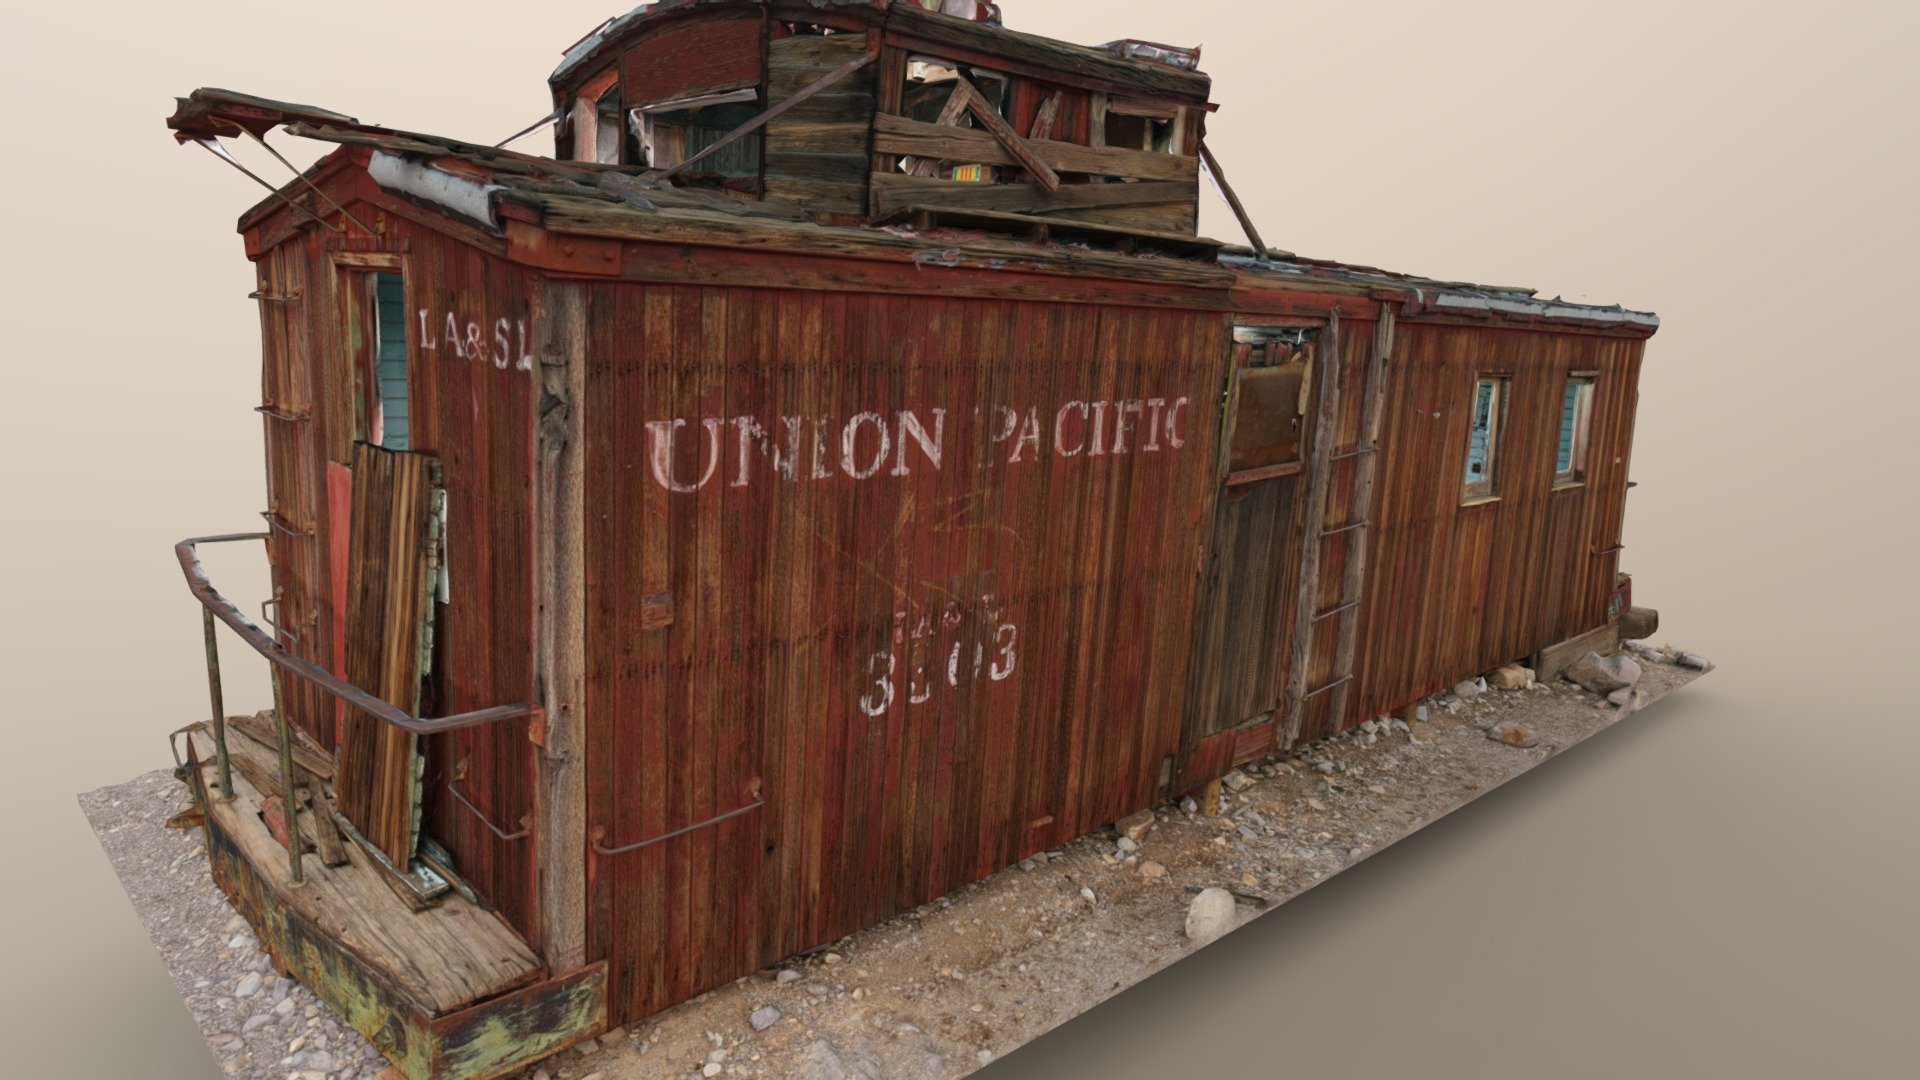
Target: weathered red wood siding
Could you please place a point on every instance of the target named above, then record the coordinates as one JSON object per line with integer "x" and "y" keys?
{"x": 790, "y": 599}
{"x": 687, "y": 59}
{"x": 1455, "y": 590}
{"x": 476, "y": 415}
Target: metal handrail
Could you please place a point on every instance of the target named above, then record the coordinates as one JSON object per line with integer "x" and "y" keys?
{"x": 312, "y": 673}
{"x": 215, "y": 606}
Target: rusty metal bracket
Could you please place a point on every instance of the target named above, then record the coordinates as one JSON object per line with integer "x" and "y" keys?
{"x": 526, "y": 820}
{"x": 1331, "y": 612}
{"x": 1615, "y": 548}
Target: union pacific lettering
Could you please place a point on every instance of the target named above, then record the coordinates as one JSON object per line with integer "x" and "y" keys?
{"x": 686, "y": 455}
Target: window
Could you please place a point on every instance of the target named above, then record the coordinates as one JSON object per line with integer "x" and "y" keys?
{"x": 1576, "y": 422}
{"x": 389, "y": 411}
{"x": 1140, "y": 125}
{"x": 1483, "y": 436}
{"x": 931, "y": 95}
{"x": 1271, "y": 365}
{"x": 674, "y": 131}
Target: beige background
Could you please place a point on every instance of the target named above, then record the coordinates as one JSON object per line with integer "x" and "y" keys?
{"x": 1724, "y": 886}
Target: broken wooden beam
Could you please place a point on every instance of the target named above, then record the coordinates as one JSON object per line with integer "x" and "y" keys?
{"x": 760, "y": 121}
{"x": 1233, "y": 200}
{"x": 997, "y": 126}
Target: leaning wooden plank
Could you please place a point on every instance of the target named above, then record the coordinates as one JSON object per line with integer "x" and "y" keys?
{"x": 900, "y": 135}
{"x": 760, "y": 121}
{"x": 891, "y": 191}
{"x": 1233, "y": 201}
{"x": 389, "y": 584}
{"x": 263, "y": 730}
{"x": 1045, "y": 118}
{"x": 950, "y": 114}
{"x": 990, "y": 118}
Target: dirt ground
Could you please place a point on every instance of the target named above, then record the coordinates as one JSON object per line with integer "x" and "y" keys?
{"x": 946, "y": 988}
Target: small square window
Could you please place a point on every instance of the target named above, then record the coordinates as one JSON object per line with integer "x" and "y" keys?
{"x": 1483, "y": 437}
{"x": 1576, "y": 423}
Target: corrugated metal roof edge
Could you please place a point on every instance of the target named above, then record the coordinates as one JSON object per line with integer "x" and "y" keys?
{"x": 1449, "y": 297}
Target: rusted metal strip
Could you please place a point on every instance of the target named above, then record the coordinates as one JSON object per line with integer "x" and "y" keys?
{"x": 760, "y": 121}
{"x": 1346, "y": 528}
{"x": 1615, "y": 548}
{"x": 1350, "y": 454}
{"x": 212, "y": 146}
{"x": 526, "y": 827}
{"x": 303, "y": 178}
{"x": 1341, "y": 681}
{"x": 329, "y": 683}
{"x": 1332, "y": 611}
{"x": 664, "y": 837}
{"x": 1267, "y": 472}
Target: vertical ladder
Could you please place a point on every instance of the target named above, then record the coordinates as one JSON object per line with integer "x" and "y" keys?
{"x": 1345, "y": 614}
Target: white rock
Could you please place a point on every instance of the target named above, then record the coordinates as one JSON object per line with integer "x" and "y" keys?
{"x": 1693, "y": 660}
{"x": 249, "y": 986}
{"x": 1210, "y": 915}
{"x": 765, "y": 1017}
{"x": 786, "y": 976}
{"x": 1470, "y": 688}
{"x": 1126, "y": 843}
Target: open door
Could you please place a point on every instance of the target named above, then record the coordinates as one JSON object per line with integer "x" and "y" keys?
{"x": 392, "y": 562}
{"x": 1244, "y": 624}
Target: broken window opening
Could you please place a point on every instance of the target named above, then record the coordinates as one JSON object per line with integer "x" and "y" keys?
{"x": 929, "y": 98}
{"x": 1576, "y": 425}
{"x": 671, "y": 132}
{"x": 387, "y": 411}
{"x": 1271, "y": 365}
{"x": 1483, "y": 437}
{"x": 1139, "y": 125}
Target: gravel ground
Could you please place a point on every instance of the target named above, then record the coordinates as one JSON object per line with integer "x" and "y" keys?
{"x": 946, "y": 988}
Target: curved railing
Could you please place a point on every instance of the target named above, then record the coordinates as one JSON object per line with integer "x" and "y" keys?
{"x": 215, "y": 606}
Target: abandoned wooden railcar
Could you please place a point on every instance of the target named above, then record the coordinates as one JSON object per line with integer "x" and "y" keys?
{"x": 840, "y": 472}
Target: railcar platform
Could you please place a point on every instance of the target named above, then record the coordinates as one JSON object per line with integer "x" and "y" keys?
{"x": 448, "y": 990}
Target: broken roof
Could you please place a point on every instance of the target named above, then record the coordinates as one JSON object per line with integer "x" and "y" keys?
{"x": 476, "y": 184}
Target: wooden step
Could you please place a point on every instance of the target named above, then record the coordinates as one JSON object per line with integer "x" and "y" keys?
{"x": 446, "y": 992}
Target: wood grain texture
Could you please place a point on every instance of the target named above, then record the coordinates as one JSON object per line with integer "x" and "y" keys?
{"x": 389, "y": 611}
{"x": 560, "y": 620}
{"x": 784, "y": 593}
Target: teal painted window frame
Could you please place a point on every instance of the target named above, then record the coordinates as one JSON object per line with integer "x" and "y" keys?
{"x": 1576, "y": 430}
{"x": 1487, "y": 412}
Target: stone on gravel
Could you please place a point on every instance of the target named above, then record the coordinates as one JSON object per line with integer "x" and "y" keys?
{"x": 1509, "y": 677}
{"x": 1513, "y": 733}
{"x": 1210, "y": 915}
{"x": 765, "y": 1017}
{"x": 1126, "y": 844}
{"x": 1470, "y": 688}
{"x": 1622, "y": 696}
{"x": 1151, "y": 869}
{"x": 786, "y": 976}
{"x": 1237, "y": 781}
{"x": 249, "y": 986}
{"x": 1693, "y": 660}
{"x": 1135, "y": 827}
{"x": 1603, "y": 674}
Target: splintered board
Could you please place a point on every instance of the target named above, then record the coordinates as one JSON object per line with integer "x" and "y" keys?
{"x": 391, "y": 559}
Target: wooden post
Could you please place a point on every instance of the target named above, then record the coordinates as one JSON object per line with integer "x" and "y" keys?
{"x": 1233, "y": 201}
{"x": 1360, "y": 541}
{"x": 1326, "y": 373}
{"x": 560, "y": 834}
